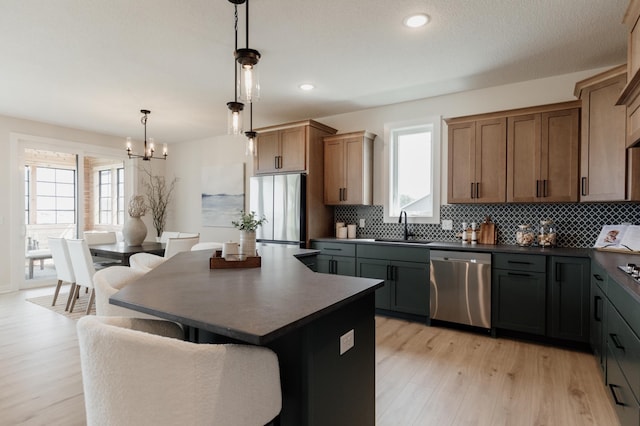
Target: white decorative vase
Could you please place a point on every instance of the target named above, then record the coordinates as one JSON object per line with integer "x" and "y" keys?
{"x": 134, "y": 231}
{"x": 248, "y": 243}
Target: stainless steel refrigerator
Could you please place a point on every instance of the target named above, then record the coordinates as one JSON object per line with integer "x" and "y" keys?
{"x": 282, "y": 200}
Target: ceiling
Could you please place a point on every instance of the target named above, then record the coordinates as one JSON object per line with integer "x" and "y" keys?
{"x": 93, "y": 64}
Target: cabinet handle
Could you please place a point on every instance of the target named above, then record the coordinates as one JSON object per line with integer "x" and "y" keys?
{"x": 612, "y": 388}
{"x": 472, "y": 187}
{"x": 616, "y": 342}
{"x": 394, "y": 272}
{"x": 279, "y": 161}
{"x": 344, "y": 194}
{"x": 583, "y": 186}
{"x": 537, "y": 189}
{"x": 332, "y": 249}
{"x": 477, "y": 189}
{"x": 275, "y": 162}
{"x": 597, "y": 301}
{"x": 545, "y": 188}
{"x": 388, "y": 272}
{"x": 597, "y": 277}
{"x": 517, "y": 274}
{"x": 518, "y": 262}
{"x": 557, "y": 273}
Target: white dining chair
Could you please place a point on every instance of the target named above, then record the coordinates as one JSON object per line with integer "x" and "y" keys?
{"x": 83, "y": 270}
{"x": 138, "y": 371}
{"x": 209, "y": 245}
{"x": 100, "y": 237}
{"x": 64, "y": 268}
{"x": 145, "y": 262}
{"x": 168, "y": 234}
{"x": 176, "y": 245}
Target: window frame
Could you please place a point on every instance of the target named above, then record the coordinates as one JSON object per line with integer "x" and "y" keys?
{"x": 390, "y": 132}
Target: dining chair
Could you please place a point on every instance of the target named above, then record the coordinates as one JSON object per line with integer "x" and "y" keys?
{"x": 209, "y": 245}
{"x": 83, "y": 270}
{"x": 100, "y": 237}
{"x": 145, "y": 262}
{"x": 176, "y": 245}
{"x": 64, "y": 269}
{"x": 139, "y": 371}
{"x": 109, "y": 281}
{"x": 168, "y": 234}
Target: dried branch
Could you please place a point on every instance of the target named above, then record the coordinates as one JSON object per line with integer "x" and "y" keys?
{"x": 159, "y": 196}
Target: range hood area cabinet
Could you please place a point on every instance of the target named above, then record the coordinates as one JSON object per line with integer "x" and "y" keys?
{"x": 542, "y": 157}
{"x": 290, "y": 148}
{"x": 608, "y": 170}
{"x": 348, "y": 169}
{"x": 521, "y": 155}
{"x": 477, "y": 160}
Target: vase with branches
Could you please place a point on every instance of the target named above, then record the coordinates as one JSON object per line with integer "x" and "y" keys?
{"x": 159, "y": 193}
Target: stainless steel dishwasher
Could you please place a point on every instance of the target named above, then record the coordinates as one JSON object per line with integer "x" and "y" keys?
{"x": 460, "y": 287}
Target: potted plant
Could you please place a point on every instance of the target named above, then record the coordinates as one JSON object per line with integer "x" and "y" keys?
{"x": 247, "y": 225}
{"x": 134, "y": 230}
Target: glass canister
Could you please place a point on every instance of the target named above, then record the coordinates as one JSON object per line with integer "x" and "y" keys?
{"x": 525, "y": 236}
{"x": 547, "y": 234}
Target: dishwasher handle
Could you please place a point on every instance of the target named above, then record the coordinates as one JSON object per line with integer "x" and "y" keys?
{"x": 461, "y": 257}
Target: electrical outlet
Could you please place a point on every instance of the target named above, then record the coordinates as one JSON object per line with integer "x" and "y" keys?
{"x": 346, "y": 341}
{"x": 361, "y": 223}
{"x": 447, "y": 225}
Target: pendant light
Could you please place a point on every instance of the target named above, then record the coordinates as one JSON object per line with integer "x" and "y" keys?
{"x": 149, "y": 149}
{"x": 234, "y": 115}
{"x": 248, "y": 59}
{"x": 251, "y": 148}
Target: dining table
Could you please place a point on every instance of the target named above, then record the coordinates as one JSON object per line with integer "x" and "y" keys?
{"x": 321, "y": 326}
{"x": 122, "y": 251}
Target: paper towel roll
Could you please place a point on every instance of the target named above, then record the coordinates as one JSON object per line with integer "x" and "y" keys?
{"x": 351, "y": 231}
{"x": 342, "y": 232}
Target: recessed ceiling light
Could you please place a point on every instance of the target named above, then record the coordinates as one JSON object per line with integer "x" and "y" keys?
{"x": 417, "y": 20}
{"x": 306, "y": 87}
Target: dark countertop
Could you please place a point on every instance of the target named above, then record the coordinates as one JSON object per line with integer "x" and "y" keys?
{"x": 491, "y": 248}
{"x": 254, "y": 305}
{"x": 610, "y": 262}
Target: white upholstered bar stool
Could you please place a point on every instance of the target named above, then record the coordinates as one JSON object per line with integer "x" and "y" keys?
{"x": 134, "y": 372}
{"x": 83, "y": 270}
{"x": 107, "y": 282}
{"x": 64, "y": 269}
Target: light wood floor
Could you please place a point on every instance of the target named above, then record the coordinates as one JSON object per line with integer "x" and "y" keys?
{"x": 424, "y": 375}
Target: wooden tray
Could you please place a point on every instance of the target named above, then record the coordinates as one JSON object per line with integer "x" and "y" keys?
{"x": 221, "y": 263}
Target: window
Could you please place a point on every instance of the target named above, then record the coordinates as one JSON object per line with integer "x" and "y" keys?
{"x": 121, "y": 196}
{"x": 55, "y": 196}
{"x": 104, "y": 197}
{"x": 110, "y": 195}
{"x": 413, "y": 171}
{"x": 27, "y": 193}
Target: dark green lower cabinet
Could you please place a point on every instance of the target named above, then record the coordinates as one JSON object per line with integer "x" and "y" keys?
{"x": 568, "y": 290}
{"x": 406, "y": 286}
{"x": 519, "y": 301}
{"x": 340, "y": 265}
{"x": 596, "y": 328}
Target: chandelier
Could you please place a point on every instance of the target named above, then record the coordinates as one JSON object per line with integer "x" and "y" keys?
{"x": 247, "y": 82}
{"x": 149, "y": 149}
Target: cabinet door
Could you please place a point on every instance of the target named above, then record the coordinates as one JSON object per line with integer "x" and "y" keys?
{"x": 462, "y": 151}
{"x": 491, "y": 161}
{"x": 353, "y": 171}
{"x": 292, "y": 150}
{"x": 559, "y": 167}
{"x": 519, "y": 301}
{"x": 523, "y": 158}
{"x": 596, "y": 326}
{"x": 345, "y": 265}
{"x": 603, "y": 143}
{"x": 410, "y": 287}
{"x": 266, "y": 160}
{"x": 334, "y": 166}
{"x": 378, "y": 269}
{"x": 569, "y": 298}
{"x": 323, "y": 264}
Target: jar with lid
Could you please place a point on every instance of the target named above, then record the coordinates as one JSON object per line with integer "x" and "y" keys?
{"x": 547, "y": 234}
{"x": 525, "y": 236}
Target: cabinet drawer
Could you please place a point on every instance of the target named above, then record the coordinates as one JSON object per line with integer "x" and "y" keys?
{"x": 624, "y": 403}
{"x": 520, "y": 262}
{"x": 338, "y": 249}
{"x": 625, "y": 304}
{"x": 408, "y": 254}
{"x": 625, "y": 346}
{"x": 599, "y": 276}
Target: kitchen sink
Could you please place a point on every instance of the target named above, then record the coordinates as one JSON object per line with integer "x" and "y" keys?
{"x": 390, "y": 240}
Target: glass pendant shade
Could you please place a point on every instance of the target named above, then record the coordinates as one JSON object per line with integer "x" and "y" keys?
{"x": 249, "y": 79}
{"x": 250, "y": 146}
{"x": 234, "y": 118}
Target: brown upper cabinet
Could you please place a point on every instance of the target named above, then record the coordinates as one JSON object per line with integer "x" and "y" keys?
{"x": 630, "y": 96}
{"x": 289, "y": 147}
{"x": 522, "y": 155}
{"x": 348, "y": 164}
{"x": 542, "y": 157}
{"x": 603, "y": 153}
{"x": 477, "y": 160}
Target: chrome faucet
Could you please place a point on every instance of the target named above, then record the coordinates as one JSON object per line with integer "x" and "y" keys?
{"x": 406, "y": 231}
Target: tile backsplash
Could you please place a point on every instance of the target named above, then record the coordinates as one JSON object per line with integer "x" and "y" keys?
{"x": 577, "y": 224}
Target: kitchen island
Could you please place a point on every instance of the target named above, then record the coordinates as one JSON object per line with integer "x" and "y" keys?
{"x": 310, "y": 320}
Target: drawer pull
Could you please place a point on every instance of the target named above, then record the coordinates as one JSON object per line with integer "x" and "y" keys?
{"x": 612, "y": 388}
{"x": 333, "y": 249}
{"x": 616, "y": 342}
{"x": 597, "y": 301}
{"x": 597, "y": 277}
{"x": 583, "y": 188}
{"x": 517, "y": 274}
{"x": 518, "y": 262}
